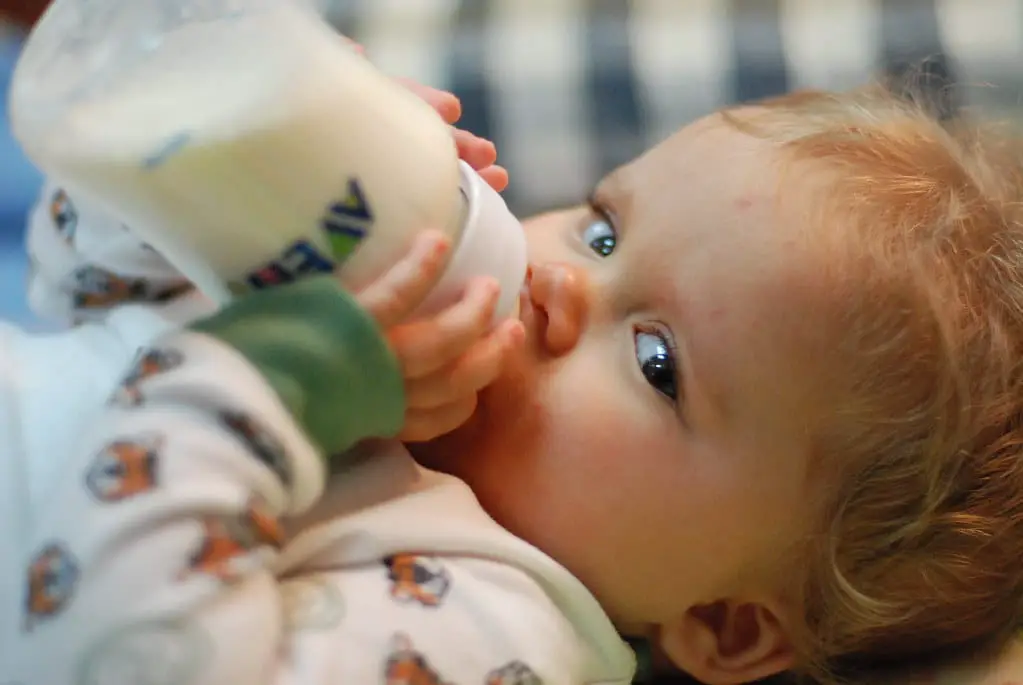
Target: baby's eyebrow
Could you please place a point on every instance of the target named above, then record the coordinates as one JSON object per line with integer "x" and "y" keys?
{"x": 612, "y": 193}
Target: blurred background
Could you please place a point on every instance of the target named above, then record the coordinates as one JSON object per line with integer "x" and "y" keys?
{"x": 569, "y": 89}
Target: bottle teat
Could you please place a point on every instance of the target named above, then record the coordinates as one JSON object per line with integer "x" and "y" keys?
{"x": 491, "y": 243}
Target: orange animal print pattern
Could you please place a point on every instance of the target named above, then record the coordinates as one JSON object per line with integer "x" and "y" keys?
{"x": 260, "y": 443}
{"x": 93, "y": 288}
{"x": 228, "y": 542}
{"x": 513, "y": 673}
{"x": 417, "y": 579}
{"x": 96, "y": 288}
{"x": 52, "y": 579}
{"x": 148, "y": 364}
{"x": 64, "y": 215}
{"x": 124, "y": 469}
{"x": 406, "y": 666}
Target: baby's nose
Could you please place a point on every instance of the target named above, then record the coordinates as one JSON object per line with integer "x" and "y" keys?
{"x": 562, "y": 294}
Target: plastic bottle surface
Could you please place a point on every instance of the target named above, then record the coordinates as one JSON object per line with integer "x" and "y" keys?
{"x": 251, "y": 145}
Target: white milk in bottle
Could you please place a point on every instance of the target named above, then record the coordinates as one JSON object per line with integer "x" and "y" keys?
{"x": 248, "y": 143}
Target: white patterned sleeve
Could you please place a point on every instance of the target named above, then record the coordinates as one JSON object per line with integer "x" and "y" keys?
{"x": 152, "y": 563}
{"x": 155, "y": 565}
{"x": 426, "y": 620}
{"x": 86, "y": 263}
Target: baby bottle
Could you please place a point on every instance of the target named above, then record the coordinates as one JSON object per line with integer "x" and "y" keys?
{"x": 247, "y": 142}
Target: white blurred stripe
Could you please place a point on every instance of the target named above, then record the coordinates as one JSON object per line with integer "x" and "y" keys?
{"x": 13, "y": 280}
{"x": 683, "y": 60}
{"x": 982, "y": 31}
{"x": 409, "y": 38}
{"x": 536, "y": 62}
{"x": 833, "y": 44}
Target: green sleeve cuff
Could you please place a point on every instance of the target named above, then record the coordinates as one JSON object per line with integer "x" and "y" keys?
{"x": 324, "y": 357}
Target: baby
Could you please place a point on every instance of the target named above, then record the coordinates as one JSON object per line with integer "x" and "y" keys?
{"x": 763, "y": 406}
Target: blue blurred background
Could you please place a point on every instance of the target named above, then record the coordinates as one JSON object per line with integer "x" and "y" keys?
{"x": 18, "y": 186}
{"x": 569, "y": 89}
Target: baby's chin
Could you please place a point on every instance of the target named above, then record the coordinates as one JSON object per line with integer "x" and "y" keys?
{"x": 451, "y": 453}
{"x": 504, "y": 432}
{"x": 503, "y": 424}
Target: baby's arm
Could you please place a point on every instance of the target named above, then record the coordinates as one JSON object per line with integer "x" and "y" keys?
{"x": 86, "y": 263}
{"x": 53, "y": 384}
{"x": 166, "y": 520}
{"x": 159, "y": 555}
{"x": 428, "y": 620}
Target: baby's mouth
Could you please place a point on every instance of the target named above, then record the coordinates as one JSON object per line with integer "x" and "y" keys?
{"x": 532, "y": 317}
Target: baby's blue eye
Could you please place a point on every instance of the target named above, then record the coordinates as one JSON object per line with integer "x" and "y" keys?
{"x": 600, "y": 236}
{"x": 656, "y": 355}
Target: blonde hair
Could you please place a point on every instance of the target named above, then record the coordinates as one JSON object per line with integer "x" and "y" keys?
{"x": 917, "y": 556}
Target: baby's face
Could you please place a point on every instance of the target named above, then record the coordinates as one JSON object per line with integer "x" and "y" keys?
{"x": 652, "y": 437}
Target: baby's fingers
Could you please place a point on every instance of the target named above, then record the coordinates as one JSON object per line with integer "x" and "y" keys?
{"x": 430, "y": 345}
{"x": 421, "y": 426}
{"x": 397, "y": 293}
{"x": 475, "y": 370}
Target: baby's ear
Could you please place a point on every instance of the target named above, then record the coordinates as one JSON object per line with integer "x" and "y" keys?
{"x": 728, "y": 643}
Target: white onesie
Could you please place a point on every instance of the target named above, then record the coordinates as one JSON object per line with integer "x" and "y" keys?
{"x": 115, "y": 296}
{"x": 191, "y": 533}
{"x": 169, "y": 557}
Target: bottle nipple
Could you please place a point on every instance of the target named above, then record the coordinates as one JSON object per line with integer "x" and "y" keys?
{"x": 489, "y": 242}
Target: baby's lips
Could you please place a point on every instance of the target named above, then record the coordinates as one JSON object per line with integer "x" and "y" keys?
{"x": 528, "y": 313}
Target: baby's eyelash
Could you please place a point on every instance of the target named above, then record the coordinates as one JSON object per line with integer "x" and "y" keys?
{"x": 662, "y": 333}
{"x": 666, "y": 341}
{"x": 599, "y": 209}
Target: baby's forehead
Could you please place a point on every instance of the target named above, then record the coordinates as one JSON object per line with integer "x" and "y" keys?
{"x": 710, "y": 161}
{"x": 753, "y": 259}
{"x": 722, "y": 128}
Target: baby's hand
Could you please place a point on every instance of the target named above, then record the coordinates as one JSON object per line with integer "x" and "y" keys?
{"x": 448, "y": 358}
